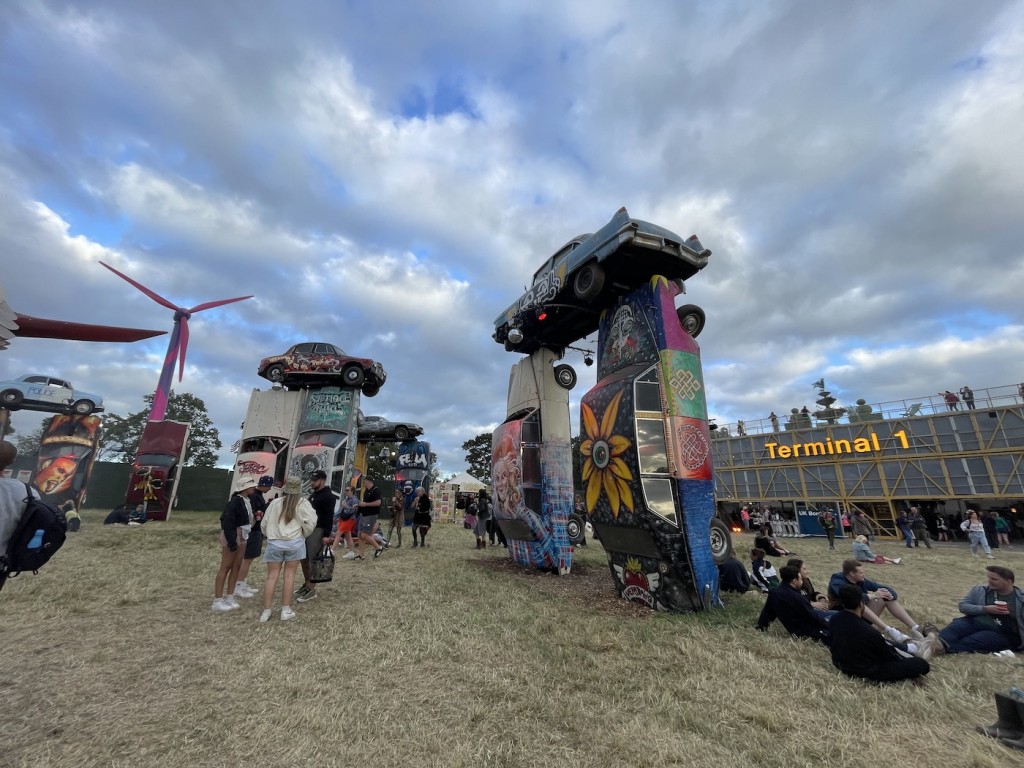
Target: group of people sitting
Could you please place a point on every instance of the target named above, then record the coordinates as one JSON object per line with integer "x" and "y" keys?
{"x": 848, "y": 618}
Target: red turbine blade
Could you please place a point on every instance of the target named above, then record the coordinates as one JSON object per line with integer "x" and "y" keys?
{"x": 212, "y": 304}
{"x": 152, "y": 294}
{"x": 182, "y": 346}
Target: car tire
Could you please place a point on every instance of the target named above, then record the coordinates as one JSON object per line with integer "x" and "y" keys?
{"x": 401, "y": 432}
{"x": 11, "y": 398}
{"x": 83, "y": 407}
{"x": 588, "y": 282}
{"x": 370, "y": 390}
{"x": 575, "y": 529}
{"x": 275, "y": 373}
{"x": 691, "y": 318}
{"x": 721, "y": 541}
{"x": 353, "y": 376}
{"x": 565, "y": 376}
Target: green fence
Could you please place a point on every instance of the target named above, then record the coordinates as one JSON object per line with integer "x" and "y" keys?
{"x": 200, "y": 487}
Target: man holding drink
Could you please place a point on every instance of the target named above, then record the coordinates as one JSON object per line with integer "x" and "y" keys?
{"x": 993, "y": 617}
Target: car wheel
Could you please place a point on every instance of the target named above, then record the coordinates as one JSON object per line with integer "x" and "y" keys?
{"x": 353, "y": 376}
{"x": 11, "y": 397}
{"x": 83, "y": 407}
{"x": 401, "y": 433}
{"x": 276, "y": 373}
{"x": 721, "y": 541}
{"x": 371, "y": 389}
{"x": 565, "y": 375}
{"x": 575, "y": 529}
{"x": 691, "y": 317}
{"x": 589, "y": 282}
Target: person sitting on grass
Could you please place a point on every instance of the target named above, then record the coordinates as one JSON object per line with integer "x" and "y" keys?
{"x": 877, "y": 597}
{"x": 762, "y": 573}
{"x": 770, "y": 546}
{"x": 993, "y": 617}
{"x": 733, "y": 577}
{"x": 790, "y": 606}
{"x": 859, "y": 651}
{"x": 863, "y": 553}
{"x": 817, "y": 600}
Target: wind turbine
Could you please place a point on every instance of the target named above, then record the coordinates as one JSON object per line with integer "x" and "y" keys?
{"x": 176, "y": 346}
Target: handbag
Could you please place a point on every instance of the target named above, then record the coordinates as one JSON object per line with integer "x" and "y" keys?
{"x": 321, "y": 567}
{"x": 470, "y": 520}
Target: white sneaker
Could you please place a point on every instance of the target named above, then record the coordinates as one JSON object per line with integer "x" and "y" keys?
{"x": 265, "y": 616}
{"x": 898, "y": 560}
{"x": 895, "y": 635}
{"x": 350, "y": 555}
{"x": 244, "y": 591}
{"x": 231, "y": 603}
{"x": 287, "y": 614}
{"x": 991, "y": 557}
{"x": 220, "y": 605}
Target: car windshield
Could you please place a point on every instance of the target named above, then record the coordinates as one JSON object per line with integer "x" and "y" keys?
{"x": 330, "y": 439}
{"x": 155, "y": 460}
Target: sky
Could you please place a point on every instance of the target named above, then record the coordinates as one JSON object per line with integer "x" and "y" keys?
{"x": 387, "y": 177}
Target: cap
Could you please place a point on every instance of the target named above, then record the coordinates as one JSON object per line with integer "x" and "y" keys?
{"x": 318, "y": 474}
{"x": 245, "y": 483}
{"x": 293, "y": 485}
{"x": 265, "y": 482}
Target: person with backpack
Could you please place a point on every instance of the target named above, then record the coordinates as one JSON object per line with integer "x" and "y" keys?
{"x": 31, "y": 531}
{"x": 827, "y": 521}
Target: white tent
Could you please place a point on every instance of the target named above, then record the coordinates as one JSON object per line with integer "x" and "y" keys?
{"x": 466, "y": 482}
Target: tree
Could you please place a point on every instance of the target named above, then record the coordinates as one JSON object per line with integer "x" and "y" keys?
{"x": 28, "y": 442}
{"x": 380, "y": 469}
{"x": 478, "y": 456}
{"x": 121, "y": 435}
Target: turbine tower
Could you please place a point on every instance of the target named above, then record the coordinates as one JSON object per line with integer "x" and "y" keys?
{"x": 177, "y": 345}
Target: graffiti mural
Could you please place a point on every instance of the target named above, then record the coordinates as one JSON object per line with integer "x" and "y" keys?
{"x": 67, "y": 451}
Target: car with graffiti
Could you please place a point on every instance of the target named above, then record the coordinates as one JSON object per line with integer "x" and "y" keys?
{"x": 67, "y": 451}
{"x": 156, "y": 470}
{"x": 564, "y": 302}
{"x": 37, "y": 392}
{"x": 316, "y": 362}
{"x": 379, "y": 428}
{"x": 414, "y": 466}
{"x": 646, "y": 456}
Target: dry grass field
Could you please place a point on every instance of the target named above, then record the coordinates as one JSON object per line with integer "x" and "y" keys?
{"x": 453, "y": 657}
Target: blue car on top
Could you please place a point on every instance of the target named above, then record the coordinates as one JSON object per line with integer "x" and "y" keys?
{"x": 37, "y": 392}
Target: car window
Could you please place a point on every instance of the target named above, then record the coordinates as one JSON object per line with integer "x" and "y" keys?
{"x": 333, "y": 350}
{"x": 35, "y": 379}
{"x": 303, "y": 349}
{"x": 60, "y": 383}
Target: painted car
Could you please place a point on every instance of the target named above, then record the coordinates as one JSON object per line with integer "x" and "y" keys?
{"x": 646, "y": 456}
{"x": 317, "y": 361}
{"x": 379, "y": 428}
{"x": 586, "y": 274}
{"x": 36, "y": 392}
{"x": 156, "y": 470}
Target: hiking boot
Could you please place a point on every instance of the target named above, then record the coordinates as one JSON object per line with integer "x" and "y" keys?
{"x": 220, "y": 605}
{"x": 265, "y": 615}
{"x": 287, "y": 614}
{"x": 305, "y": 597}
{"x": 938, "y": 647}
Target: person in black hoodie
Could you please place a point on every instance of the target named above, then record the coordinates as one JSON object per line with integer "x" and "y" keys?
{"x": 236, "y": 517}
{"x": 790, "y": 606}
{"x": 859, "y": 651}
{"x": 323, "y": 500}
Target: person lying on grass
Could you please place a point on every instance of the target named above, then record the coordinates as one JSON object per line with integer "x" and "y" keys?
{"x": 862, "y": 552}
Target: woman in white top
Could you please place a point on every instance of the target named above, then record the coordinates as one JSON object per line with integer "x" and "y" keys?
{"x": 289, "y": 519}
{"x": 976, "y": 533}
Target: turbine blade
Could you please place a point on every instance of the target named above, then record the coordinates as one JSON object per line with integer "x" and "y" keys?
{"x": 212, "y": 304}
{"x": 152, "y": 294}
{"x": 182, "y": 346}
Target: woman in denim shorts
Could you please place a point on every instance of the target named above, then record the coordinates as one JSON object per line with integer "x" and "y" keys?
{"x": 289, "y": 519}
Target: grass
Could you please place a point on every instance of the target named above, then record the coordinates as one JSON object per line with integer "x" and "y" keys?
{"x": 454, "y": 657}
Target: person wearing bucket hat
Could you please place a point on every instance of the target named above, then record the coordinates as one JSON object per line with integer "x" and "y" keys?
{"x": 254, "y": 544}
{"x": 234, "y": 524}
{"x": 323, "y": 500}
{"x": 289, "y": 520}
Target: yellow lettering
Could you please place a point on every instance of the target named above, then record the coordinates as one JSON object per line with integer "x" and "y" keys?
{"x": 828, "y": 442}
{"x": 843, "y": 446}
{"x": 862, "y": 445}
{"x": 771, "y": 449}
{"x": 785, "y": 452}
{"x": 902, "y": 435}
{"x": 796, "y": 450}
{"x": 874, "y": 442}
{"x": 814, "y": 449}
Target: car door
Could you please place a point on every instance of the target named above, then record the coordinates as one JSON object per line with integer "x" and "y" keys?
{"x": 324, "y": 358}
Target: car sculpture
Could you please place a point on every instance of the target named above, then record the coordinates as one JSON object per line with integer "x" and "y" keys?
{"x": 379, "y": 428}
{"x": 46, "y": 393}
{"x": 312, "y": 362}
{"x": 587, "y": 273}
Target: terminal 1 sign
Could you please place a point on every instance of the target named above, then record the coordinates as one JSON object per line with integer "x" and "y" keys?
{"x": 830, "y": 447}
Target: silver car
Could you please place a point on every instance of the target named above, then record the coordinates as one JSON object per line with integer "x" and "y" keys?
{"x": 36, "y": 392}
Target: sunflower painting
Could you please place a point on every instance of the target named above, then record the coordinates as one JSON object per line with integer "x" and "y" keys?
{"x": 604, "y": 469}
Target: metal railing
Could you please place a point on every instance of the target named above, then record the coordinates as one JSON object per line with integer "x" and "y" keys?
{"x": 863, "y": 412}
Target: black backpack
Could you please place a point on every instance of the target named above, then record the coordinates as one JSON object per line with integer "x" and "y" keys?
{"x": 38, "y": 535}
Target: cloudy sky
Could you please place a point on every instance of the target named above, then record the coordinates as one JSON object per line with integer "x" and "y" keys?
{"x": 387, "y": 176}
